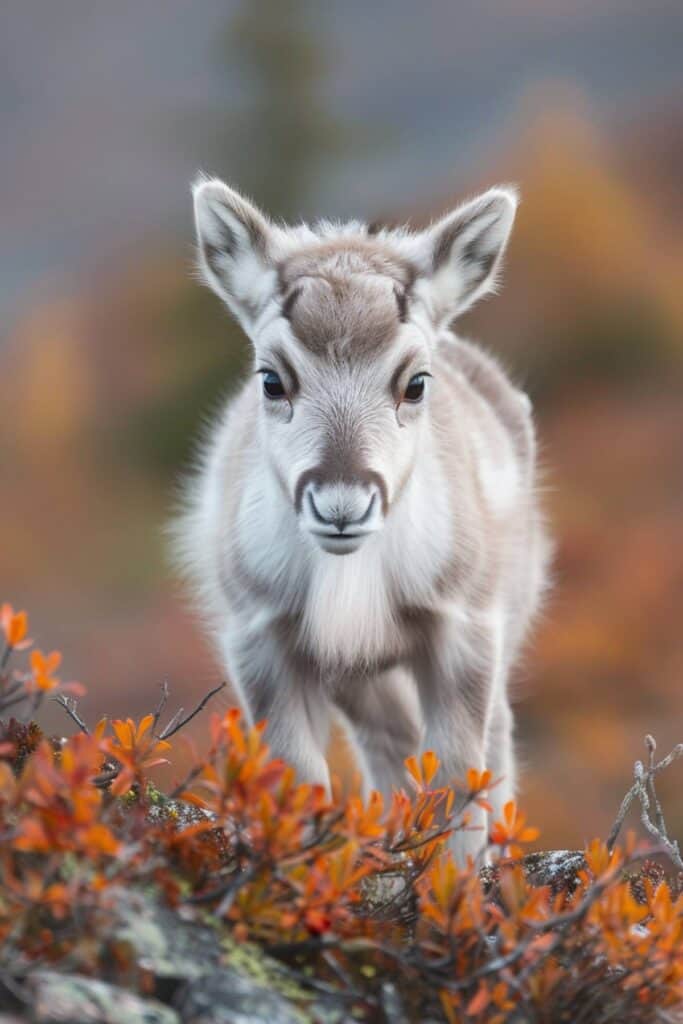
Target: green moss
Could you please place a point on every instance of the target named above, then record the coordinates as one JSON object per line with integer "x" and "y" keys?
{"x": 250, "y": 960}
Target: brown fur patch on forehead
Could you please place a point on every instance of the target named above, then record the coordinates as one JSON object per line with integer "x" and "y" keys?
{"x": 344, "y": 257}
{"x": 347, "y": 293}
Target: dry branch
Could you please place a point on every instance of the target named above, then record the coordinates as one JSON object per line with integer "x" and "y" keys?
{"x": 643, "y": 789}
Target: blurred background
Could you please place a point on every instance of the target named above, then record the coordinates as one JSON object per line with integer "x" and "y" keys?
{"x": 111, "y": 355}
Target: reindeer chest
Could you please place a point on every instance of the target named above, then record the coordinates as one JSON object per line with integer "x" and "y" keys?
{"x": 352, "y": 617}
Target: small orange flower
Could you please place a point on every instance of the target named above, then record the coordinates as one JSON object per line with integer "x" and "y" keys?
{"x": 513, "y": 830}
{"x": 423, "y": 771}
{"x": 14, "y": 625}
{"x": 477, "y": 781}
{"x": 600, "y": 860}
{"x": 134, "y": 738}
{"x": 477, "y": 785}
{"x": 136, "y": 747}
{"x": 44, "y": 667}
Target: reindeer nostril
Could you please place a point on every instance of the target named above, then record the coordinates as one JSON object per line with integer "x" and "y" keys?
{"x": 314, "y": 509}
{"x": 368, "y": 512}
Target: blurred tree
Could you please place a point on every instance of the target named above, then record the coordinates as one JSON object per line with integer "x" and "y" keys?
{"x": 587, "y": 299}
{"x": 274, "y": 147}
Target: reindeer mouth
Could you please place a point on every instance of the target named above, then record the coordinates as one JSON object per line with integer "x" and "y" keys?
{"x": 340, "y": 543}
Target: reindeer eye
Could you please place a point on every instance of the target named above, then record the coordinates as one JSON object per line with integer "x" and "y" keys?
{"x": 272, "y": 386}
{"x": 416, "y": 388}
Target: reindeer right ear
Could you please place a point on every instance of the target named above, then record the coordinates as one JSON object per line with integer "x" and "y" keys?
{"x": 234, "y": 240}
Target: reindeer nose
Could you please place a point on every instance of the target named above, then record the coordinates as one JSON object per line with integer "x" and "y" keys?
{"x": 342, "y": 514}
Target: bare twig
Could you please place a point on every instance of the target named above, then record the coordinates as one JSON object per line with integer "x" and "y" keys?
{"x": 13, "y": 688}
{"x": 5, "y": 657}
{"x": 175, "y": 726}
{"x": 651, "y": 745}
{"x": 172, "y": 723}
{"x": 160, "y": 706}
{"x": 70, "y": 704}
{"x": 13, "y": 696}
{"x": 643, "y": 789}
{"x": 340, "y": 973}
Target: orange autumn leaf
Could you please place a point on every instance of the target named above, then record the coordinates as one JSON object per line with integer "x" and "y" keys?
{"x": 414, "y": 771}
{"x": 43, "y": 667}
{"x": 479, "y": 1001}
{"x": 430, "y": 766}
{"x": 100, "y": 838}
{"x": 513, "y": 830}
{"x": 476, "y": 787}
{"x": 422, "y": 772}
{"x": 599, "y": 859}
{"x": 14, "y": 625}
{"x": 478, "y": 781}
{"x": 137, "y": 742}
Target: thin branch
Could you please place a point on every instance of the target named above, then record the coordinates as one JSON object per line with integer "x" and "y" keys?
{"x": 9, "y": 702}
{"x": 173, "y": 726}
{"x": 671, "y": 846}
{"x": 70, "y": 705}
{"x": 175, "y": 718}
{"x": 651, "y": 745}
{"x": 5, "y": 657}
{"x": 643, "y": 785}
{"x": 160, "y": 706}
{"x": 14, "y": 688}
{"x": 340, "y": 974}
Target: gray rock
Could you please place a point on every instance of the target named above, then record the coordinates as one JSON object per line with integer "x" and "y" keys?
{"x": 160, "y": 941}
{"x": 74, "y": 999}
{"x": 227, "y": 997}
{"x": 309, "y": 1007}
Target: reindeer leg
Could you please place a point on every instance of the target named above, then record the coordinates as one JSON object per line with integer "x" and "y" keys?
{"x": 456, "y": 676}
{"x": 295, "y": 706}
{"x": 383, "y": 715}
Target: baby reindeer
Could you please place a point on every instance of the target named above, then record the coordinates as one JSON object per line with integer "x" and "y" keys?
{"x": 363, "y": 530}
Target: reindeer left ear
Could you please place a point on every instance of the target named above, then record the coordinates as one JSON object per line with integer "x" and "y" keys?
{"x": 234, "y": 242}
{"x": 461, "y": 253}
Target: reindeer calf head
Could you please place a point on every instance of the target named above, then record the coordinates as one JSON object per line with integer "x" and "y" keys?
{"x": 344, "y": 325}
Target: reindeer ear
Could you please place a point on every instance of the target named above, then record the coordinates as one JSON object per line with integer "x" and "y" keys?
{"x": 234, "y": 240}
{"x": 461, "y": 253}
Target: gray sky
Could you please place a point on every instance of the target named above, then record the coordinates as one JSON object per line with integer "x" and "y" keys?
{"x": 95, "y": 98}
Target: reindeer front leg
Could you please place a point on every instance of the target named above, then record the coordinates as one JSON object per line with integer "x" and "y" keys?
{"x": 294, "y": 704}
{"x": 384, "y": 716}
{"x": 500, "y": 755}
{"x": 455, "y": 672}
